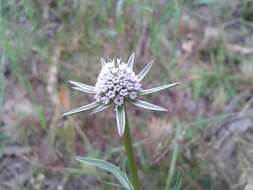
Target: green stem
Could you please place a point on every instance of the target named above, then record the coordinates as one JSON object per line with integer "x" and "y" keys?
{"x": 130, "y": 156}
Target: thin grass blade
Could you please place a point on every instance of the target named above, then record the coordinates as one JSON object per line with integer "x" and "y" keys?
{"x": 174, "y": 158}
{"x": 107, "y": 166}
{"x": 178, "y": 184}
{"x": 147, "y": 105}
{"x": 130, "y": 62}
{"x": 85, "y": 87}
{"x": 121, "y": 119}
{"x": 145, "y": 71}
{"x": 157, "y": 89}
{"x": 100, "y": 108}
{"x": 82, "y": 108}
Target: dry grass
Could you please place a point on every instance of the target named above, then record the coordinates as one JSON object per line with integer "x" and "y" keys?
{"x": 205, "y": 43}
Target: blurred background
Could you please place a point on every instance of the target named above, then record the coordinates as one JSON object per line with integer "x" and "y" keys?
{"x": 204, "y": 141}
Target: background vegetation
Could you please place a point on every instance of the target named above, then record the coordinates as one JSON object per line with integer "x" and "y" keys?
{"x": 203, "y": 142}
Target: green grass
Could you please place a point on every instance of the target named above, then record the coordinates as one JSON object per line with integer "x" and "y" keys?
{"x": 84, "y": 31}
{"x": 2, "y": 80}
{"x": 174, "y": 158}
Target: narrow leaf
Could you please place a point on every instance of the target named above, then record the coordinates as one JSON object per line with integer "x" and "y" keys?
{"x": 145, "y": 71}
{"x": 147, "y": 105}
{"x": 83, "y": 108}
{"x": 130, "y": 62}
{"x": 100, "y": 108}
{"x": 85, "y": 87}
{"x": 157, "y": 89}
{"x": 121, "y": 119}
{"x": 102, "y": 62}
{"x": 107, "y": 166}
{"x": 81, "y": 89}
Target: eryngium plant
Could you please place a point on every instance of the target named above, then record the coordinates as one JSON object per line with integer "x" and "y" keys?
{"x": 117, "y": 84}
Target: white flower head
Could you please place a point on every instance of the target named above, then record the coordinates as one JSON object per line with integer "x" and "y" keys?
{"x": 117, "y": 84}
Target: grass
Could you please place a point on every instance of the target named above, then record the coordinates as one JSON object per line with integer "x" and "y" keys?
{"x": 83, "y": 31}
{"x": 2, "y": 79}
{"x": 172, "y": 166}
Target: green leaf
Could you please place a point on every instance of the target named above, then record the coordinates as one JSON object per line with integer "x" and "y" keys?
{"x": 147, "y": 105}
{"x": 130, "y": 62}
{"x": 100, "y": 108}
{"x": 145, "y": 71}
{"x": 157, "y": 89}
{"x": 84, "y": 87}
{"x": 109, "y": 167}
{"x": 121, "y": 119}
{"x": 82, "y": 108}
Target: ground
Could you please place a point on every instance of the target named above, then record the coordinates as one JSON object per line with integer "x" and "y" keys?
{"x": 204, "y": 141}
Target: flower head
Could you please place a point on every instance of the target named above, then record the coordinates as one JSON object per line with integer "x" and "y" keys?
{"x": 117, "y": 84}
